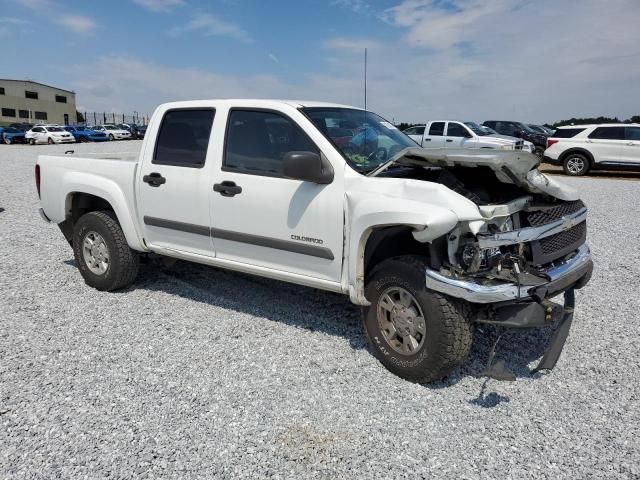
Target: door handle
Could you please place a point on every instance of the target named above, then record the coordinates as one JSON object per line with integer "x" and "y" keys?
{"x": 154, "y": 179}
{"x": 227, "y": 188}
{"x": 427, "y": 140}
{"x": 449, "y": 141}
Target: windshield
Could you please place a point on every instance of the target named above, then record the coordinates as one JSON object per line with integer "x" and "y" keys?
{"x": 110, "y": 127}
{"x": 524, "y": 127}
{"x": 363, "y": 138}
{"x": 55, "y": 129}
{"x": 479, "y": 129}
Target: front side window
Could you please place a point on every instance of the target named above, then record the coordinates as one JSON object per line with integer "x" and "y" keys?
{"x": 183, "y": 138}
{"x": 608, "y": 133}
{"x": 257, "y": 142}
{"x": 632, "y": 133}
{"x": 37, "y": 130}
{"x": 436, "y": 129}
{"x": 371, "y": 141}
{"x": 456, "y": 130}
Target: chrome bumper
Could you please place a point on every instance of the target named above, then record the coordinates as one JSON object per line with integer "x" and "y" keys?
{"x": 569, "y": 273}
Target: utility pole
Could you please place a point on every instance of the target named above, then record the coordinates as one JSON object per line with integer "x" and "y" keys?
{"x": 365, "y": 79}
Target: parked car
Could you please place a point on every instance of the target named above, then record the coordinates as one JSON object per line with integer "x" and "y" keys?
{"x": 582, "y": 148}
{"x": 540, "y": 129}
{"x": 427, "y": 244}
{"x": 112, "y": 132}
{"x": 85, "y": 134}
{"x": 455, "y": 134}
{"x": 520, "y": 130}
{"x": 11, "y": 135}
{"x": 132, "y": 128}
{"x": 22, "y": 126}
{"x": 48, "y": 134}
{"x": 142, "y": 131}
{"x": 527, "y": 146}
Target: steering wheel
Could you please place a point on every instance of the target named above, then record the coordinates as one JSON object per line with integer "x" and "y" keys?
{"x": 379, "y": 156}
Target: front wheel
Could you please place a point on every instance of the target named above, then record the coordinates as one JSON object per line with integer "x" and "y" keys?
{"x": 576, "y": 164}
{"x": 7, "y": 140}
{"x": 417, "y": 334}
{"x": 101, "y": 251}
{"x": 32, "y": 141}
{"x": 111, "y": 137}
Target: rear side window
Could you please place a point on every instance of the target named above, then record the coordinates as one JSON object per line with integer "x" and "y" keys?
{"x": 456, "y": 130}
{"x": 608, "y": 133}
{"x": 567, "y": 132}
{"x": 632, "y": 133}
{"x": 183, "y": 138}
{"x": 437, "y": 129}
{"x": 257, "y": 142}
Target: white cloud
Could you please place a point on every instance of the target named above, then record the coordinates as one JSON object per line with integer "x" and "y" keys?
{"x": 210, "y": 25}
{"x": 357, "y": 6}
{"x": 350, "y": 44}
{"x": 159, "y": 5}
{"x": 77, "y": 23}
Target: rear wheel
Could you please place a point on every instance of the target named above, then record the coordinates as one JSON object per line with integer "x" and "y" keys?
{"x": 32, "y": 141}
{"x": 576, "y": 164}
{"x": 7, "y": 140}
{"x": 101, "y": 251}
{"x": 417, "y": 334}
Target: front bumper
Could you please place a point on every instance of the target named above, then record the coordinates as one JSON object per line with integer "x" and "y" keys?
{"x": 552, "y": 161}
{"x": 64, "y": 140}
{"x": 574, "y": 272}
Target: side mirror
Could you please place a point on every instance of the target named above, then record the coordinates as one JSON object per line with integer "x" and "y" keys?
{"x": 309, "y": 167}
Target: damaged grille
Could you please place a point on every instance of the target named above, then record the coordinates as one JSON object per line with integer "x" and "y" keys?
{"x": 556, "y": 246}
{"x": 544, "y": 215}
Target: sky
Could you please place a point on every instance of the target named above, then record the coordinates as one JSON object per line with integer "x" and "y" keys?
{"x": 528, "y": 60}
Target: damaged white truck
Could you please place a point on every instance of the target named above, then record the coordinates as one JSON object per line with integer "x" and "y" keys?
{"x": 428, "y": 242}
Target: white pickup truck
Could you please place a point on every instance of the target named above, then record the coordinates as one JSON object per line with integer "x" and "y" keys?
{"x": 428, "y": 242}
{"x": 454, "y": 134}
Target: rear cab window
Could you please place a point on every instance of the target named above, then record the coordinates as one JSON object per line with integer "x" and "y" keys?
{"x": 183, "y": 138}
{"x": 436, "y": 129}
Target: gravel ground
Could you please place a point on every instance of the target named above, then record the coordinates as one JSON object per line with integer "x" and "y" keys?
{"x": 196, "y": 372}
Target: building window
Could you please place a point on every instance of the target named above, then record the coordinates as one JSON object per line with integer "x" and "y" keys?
{"x": 23, "y": 113}
{"x": 41, "y": 115}
{"x": 8, "y": 112}
{"x": 1, "y": 90}
{"x": 61, "y": 99}
{"x": 33, "y": 95}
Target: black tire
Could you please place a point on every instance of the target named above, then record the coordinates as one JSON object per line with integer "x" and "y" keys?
{"x": 123, "y": 262}
{"x": 32, "y": 141}
{"x": 50, "y": 141}
{"x": 449, "y": 331}
{"x": 576, "y": 165}
{"x": 7, "y": 140}
{"x": 83, "y": 140}
{"x": 111, "y": 137}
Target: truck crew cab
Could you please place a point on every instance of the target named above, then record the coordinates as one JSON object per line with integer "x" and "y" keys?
{"x": 428, "y": 241}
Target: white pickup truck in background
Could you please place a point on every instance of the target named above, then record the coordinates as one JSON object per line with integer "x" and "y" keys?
{"x": 454, "y": 134}
{"x": 428, "y": 241}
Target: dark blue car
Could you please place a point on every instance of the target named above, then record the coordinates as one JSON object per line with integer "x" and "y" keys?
{"x": 85, "y": 134}
{"x": 11, "y": 135}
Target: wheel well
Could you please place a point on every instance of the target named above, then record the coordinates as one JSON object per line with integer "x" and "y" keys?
{"x": 388, "y": 242}
{"x": 79, "y": 203}
{"x": 582, "y": 151}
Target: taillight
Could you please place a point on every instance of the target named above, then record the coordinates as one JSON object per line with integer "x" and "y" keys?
{"x": 551, "y": 142}
{"x": 38, "y": 179}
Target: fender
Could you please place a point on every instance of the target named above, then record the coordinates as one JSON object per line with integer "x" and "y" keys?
{"x": 367, "y": 211}
{"x": 107, "y": 189}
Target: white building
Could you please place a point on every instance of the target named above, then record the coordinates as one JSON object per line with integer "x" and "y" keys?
{"x": 24, "y": 101}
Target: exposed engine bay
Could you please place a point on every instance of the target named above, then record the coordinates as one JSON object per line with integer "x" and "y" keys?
{"x": 530, "y": 222}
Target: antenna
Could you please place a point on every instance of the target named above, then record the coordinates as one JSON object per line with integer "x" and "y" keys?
{"x": 365, "y": 78}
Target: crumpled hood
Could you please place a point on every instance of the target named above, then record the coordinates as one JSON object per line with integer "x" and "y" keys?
{"x": 510, "y": 166}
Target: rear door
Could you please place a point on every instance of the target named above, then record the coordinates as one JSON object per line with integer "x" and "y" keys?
{"x": 607, "y": 144}
{"x": 260, "y": 217}
{"x": 434, "y": 136}
{"x": 632, "y": 145}
{"x": 175, "y": 182}
{"x": 457, "y": 136}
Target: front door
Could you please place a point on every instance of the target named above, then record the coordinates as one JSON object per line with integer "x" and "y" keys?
{"x": 175, "y": 182}
{"x": 457, "y": 136}
{"x": 263, "y": 219}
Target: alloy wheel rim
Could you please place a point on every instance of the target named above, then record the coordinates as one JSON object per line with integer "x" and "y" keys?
{"x": 95, "y": 253}
{"x": 401, "y": 320}
{"x": 575, "y": 165}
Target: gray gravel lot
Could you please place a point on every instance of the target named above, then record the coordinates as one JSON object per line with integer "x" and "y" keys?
{"x": 196, "y": 372}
